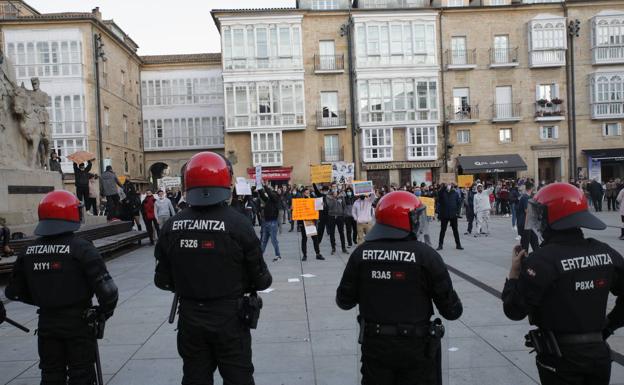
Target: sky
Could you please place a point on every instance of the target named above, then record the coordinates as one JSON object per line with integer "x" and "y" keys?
{"x": 162, "y": 26}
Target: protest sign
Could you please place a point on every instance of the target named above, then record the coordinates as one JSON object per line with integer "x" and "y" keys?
{"x": 430, "y": 204}
{"x": 342, "y": 172}
{"x": 303, "y": 209}
{"x": 259, "y": 177}
{"x": 169, "y": 182}
{"x": 310, "y": 228}
{"x": 321, "y": 173}
{"x": 465, "y": 180}
{"x": 318, "y": 204}
{"x": 242, "y": 187}
{"x": 447, "y": 177}
{"x": 363, "y": 188}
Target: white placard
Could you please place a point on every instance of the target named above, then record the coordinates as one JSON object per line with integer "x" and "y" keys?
{"x": 318, "y": 204}
{"x": 310, "y": 228}
{"x": 168, "y": 182}
{"x": 259, "y": 177}
{"x": 342, "y": 172}
{"x": 242, "y": 187}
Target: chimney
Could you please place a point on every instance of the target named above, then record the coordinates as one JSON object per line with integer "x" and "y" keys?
{"x": 96, "y": 12}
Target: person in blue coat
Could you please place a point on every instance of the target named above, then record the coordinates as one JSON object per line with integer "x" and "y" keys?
{"x": 449, "y": 202}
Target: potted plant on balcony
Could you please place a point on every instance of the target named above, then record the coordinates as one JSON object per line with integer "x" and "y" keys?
{"x": 557, "y": 101}
{"x": 542, "y": 102}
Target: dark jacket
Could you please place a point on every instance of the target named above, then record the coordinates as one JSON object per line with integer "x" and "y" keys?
{"x": 82, "y": 176}
{"x": 448, "y": 204}
{"x": 595, "y": 189}
{"x": 271, "y": 204}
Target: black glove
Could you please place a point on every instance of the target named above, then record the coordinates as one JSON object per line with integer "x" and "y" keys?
{"x": 2, "y": 313}
{"x": 606, "y": 333}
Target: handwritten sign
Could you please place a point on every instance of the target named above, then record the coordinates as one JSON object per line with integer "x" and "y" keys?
{"x": 310, "y": 228}
{"x": 465, "y": 180}
{"x": 363, "y": 188}
{"x": 318, "y": 204}
{"x": 259, "y": 177}
{"x": 303, "y": 209}
{"x": 447, "y": 177}
{"x": 242, "y": 187}
{"x": 321, "y": 173}
{"x": 430, "y": 204}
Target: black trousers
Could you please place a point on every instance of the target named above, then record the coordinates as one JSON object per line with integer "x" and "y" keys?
{"x": 586, "y": 364}
{"x": 66, "y": 351}
{"x": 444, "y": 224}
{"x": 204, "y": 350}
{"x": 82, "y": 193}
{"x": 91, "y": 204}
{"x": 611, "y": 203}
{"x": 304, "y": 242}
{"x": 332, "y": 223}
{"x": 150, "y": 225}
{"x": 397, "y": 361}
{"x": 320, "y": 226}
{"x": 112, "y": 206}
{"x": 351, "y": 229}
{"x": 528, "y": 237}
{"x": 597, "y": 201}
{"x": 470, "y": 216}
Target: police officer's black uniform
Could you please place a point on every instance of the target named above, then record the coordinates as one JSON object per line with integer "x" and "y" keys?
{"x": 563, "y": 288}
{"x": 210, "y": 256}
{"x": 394, "y": 281}
{"x": 59, "y": 274}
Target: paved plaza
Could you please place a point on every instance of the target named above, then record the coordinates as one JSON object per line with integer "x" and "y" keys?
{"x": 303, "y": 338}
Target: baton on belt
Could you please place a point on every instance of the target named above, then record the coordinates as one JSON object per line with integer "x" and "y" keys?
{"x": 174, "y": 308}
{"x": 17, "y": 325}
{"x": 98, "y": 365}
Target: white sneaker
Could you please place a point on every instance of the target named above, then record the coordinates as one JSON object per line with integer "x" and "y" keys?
{"x": 518, "y": 238}
{"x": 514, "y": 228}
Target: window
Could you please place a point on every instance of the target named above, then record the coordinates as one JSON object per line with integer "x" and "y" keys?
{"x": 124, "y": 123}
{"x": 64, "y": 147}
{"x": 501, "y": 52}
{"x": 123, "y": 77}
{"x": 329, "y": 108}
{"x": 324, "y": 4}
{"x": 607, "y": 94}
{"x": 327, "y": 55}
{"x": 547, "y": 92}
{"x": 612, "y": 129}
{"x": 46, "y": 58}
{"x": 266, "y": 148}
{"x": 398, "y": 100}
{"x": 548, "y": 34}
{"x": 377, "y": 144}
{"x": 504, "y": 135}
{"x": 459, "y": 53}
{"x": 107, "y": 118}
{"x": 331, "y": 151}
{"x": 422, "y": 143}
{"x": 185, "y": 132}
{"x": 504, "y": 105}
{"x": 67, "y": 115}
{"x": 549, "y": 132}
{"x": 126, "y": 166}
{"x": 202, "y": 90}
{"x": 461, "y": 101}
{"x": 455, "y": 3}
{"x": 463, "y": 136}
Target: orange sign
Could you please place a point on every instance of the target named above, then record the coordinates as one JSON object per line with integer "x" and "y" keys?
{"x": 465, "y": 180}
{"x": 303, "y": 209}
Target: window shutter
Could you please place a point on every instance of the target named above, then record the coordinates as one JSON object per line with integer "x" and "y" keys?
{"x": 537, "y": 92}
{"x": 556, "y": 95}
{"x": 556, "y": 132}
{"x": 541, "y": 133}
{"x": 619, "y": 128}
{"x": 604, "y": 129}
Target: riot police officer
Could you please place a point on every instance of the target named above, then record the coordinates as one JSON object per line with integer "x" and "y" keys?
{"x": 59, "y": 273}
{"x": 563, "y": 287}
{"x": 210, "y": 256}
{"x": 2, "y": 313}
{"x": 395, "y": 278}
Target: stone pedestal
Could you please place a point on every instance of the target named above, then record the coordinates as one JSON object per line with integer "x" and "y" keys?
{"x": 20, "y": 194}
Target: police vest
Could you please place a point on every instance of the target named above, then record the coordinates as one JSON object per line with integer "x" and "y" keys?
{"x": 54, "y": 274}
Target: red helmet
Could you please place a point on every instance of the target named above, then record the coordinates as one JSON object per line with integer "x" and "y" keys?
{"x": 562, "y": 206}
{"x": 397, "y": 215}
{"x": 59, "y": 212}
{"x": 207, "y": 179}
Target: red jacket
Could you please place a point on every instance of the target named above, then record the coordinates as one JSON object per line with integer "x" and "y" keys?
{"x": 147, "y": 208}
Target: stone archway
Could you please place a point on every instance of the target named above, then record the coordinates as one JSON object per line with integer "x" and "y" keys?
{"x": 157, "y": 171}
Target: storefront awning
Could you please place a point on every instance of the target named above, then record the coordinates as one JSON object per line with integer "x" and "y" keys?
{"x": 271, "y": 173}
{"x": 608, "y": 154}
{"x": 491, "y": 164}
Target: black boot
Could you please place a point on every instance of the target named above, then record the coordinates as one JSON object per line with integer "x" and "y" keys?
{"x": 439, "y": 248}
{"x": 304, "y": 258}
{"x": 459, "y": 247}
{"x": 320, "y": 257}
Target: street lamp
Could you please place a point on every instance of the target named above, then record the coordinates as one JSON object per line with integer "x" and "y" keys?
{"x": 98, "y": 51}
{"x": 574, "y": 28}
{"x": 346, "y": 31}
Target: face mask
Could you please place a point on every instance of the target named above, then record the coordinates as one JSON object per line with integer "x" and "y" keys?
{"x": 448, "y": 188}
{"x": 349, "y": 193}
{"x": 362, "y": 197}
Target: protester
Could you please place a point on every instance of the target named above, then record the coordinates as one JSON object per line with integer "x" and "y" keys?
{"x": 596, "y": 191}
{"x": 269, "y": 224}
{"x": 304, "y": 236}
{"x": 514, "y": 196}
{"x": 336, "y": 207}
{"x": 323, "y": 216}
{"x": 55, "y": 163}
{"x": 149, "y": 215}
{"x": 611, "y": 195}
{"x": 482, "y": 207}
{"x": 527, "y": 236}
{"x": 108, "y": 188}
{"x": 93, "y": 194}
{"x": 620, "y": 201}
{"x": 363, "y": 215}
{"x": 447, "y": 207}
{"x": 469, "y": 204}
{"x": 132, "y": 204}
{"x": 350, "y": 224}
{"x": 163, "y": 208}
{"x": 81, "y": 180}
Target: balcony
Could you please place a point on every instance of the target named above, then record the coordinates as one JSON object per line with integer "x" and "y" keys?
{"x": 506, "y": 112}
{"x": 394, "y": 3}
{"x": 608, "y": 55}
{"x": 329, "y": 155}
{"x": 183, "y": 142}
{"x": 549, "y": 111}
{"x": 252, "y": 63}
{"x": 463, "y": 59}
{"x": 555, "y": 57}
{"x": 503, "y": 57}
{"x": 607, "y": 110}
{"x": 328, "y": 64}
{"x": 326, "y": 119}
{"x": 467, "y": 114}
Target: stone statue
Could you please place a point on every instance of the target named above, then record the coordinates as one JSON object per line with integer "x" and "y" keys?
{"x": 29, "y": 108}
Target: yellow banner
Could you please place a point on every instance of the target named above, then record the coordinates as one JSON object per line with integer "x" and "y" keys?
{"x": 321, "y": 173}
{"x": 303, "y": 209}
{"x": 465, "y": 180}
{"x": 430, "y": 204}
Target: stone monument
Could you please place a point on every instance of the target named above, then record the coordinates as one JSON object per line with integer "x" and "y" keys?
{"x": 25, "y": 136}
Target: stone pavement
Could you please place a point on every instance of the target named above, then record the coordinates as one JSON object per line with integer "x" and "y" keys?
{"x": 303, "y": 338}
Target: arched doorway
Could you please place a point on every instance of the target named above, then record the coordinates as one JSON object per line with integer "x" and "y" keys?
{"x": 157, "y": 171}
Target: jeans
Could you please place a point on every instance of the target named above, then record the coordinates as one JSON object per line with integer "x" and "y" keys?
{"x": 514, "y": 206}
{"x": 270, "y": 230}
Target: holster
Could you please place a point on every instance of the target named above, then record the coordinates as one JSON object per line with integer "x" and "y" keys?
{"x": 543, "y": 342}
{"x": 96, "y": 322}
{"x": 249, "y": 309}
{"x": 434, "y": 338}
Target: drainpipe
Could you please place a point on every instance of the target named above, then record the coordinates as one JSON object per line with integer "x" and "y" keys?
{"x": 98, "y": 54}
{"x": 573, "y": 28}
{"x": 441, "y": 90}
{"x": 348, "y": 30}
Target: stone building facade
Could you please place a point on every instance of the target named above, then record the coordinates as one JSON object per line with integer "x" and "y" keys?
{"x": 183, "y": 111}
{"x": 59, "y": 49}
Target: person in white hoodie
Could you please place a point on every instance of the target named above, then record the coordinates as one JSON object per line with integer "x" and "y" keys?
{"x": 482, "y": 209}
{"x": 163, "y": 208}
